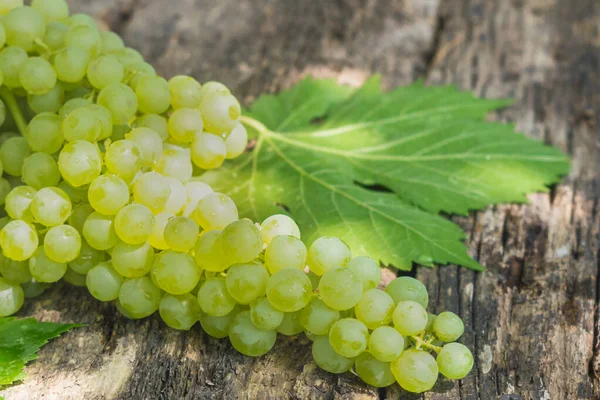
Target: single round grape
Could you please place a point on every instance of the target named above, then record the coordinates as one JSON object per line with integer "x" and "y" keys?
{"x": 132, "y": 260}
{"x": 15, "y": 271}
{"x": 208, "y": 254}
{"x": 7, "y": 5}
{"x": 241, "y": 241}
{"x": 40, "y": 171}
{"x": 72, "y": 105}
{"x": 47, "y": 102}
{"x": 51, "y": 206}
{"x": 184, "y": 123}
{"x": 84, "y": 37}
{"x": 157, "y": 237}
{"x": 349, "y": 337}
{"x": 134, "y": 223}
{"x": 212, "y": 87}
{"x": 290, "y": 326}
{"x": 247, "y": 282}
{"x": 184, "y": 91}
{"x": 18, "y": 240}
{"x": 340, "y": 289}
{"x": 120, "y": 100}
{"x": 153, "y": 94}
{"x": 73, "y": 278}
{"x": 406, "y": 288}
{"x": 128, "y": 56}
{"x": 386, "y": 344}
{"x": 62, "y": 243}
{"x": 195, "y": 190}
{"x": 152, "y": 190}
{"x": 134, "y": 72}
{"x": 218, "y": 327}
{"x": 236, "y": 142}
{"x": 12, "y": 298}
{"x": 264, "y": 316}
{"x": 415, "y": 370}
{"x": 317, "y": 317}
{"x": 410, "y": 318}
{"x": 177, "y": 198}
{"x": 13, "y": 154}
{"x": 104, "y": 120}
{"x": 103, "y": 282}
{"x": 123, "y": 158}
{"x": 448, "y": 327}
{"x": 374, "y": 372}
{"x": 157, "y": 123}
{"x": 174, "y": 272}
{"x": 247, "y": 338}
{"x": 105, "y": 70}
{"x": 215, "y": 211}
{"x": 179, "y": 311}
{"x": 11, "y": 60}
{"x": 149, "y": 143}
{"x": 214, "y": 299}
{"x": 98, "y": 230}
{"x": 175, "y": 163}
{"x": 82, "y": 124}
{"x": 37, "y": 76}
{"x": 277, "y": 225}
{"x": 111, "y": 42}
{"x": 70, "y": 64}
{"x": 289, "y": 290}
{"x": 375, "y": 308}
{"x": 82, "y": 19}
{"x": 23, "y": 26}
{"x": 181, "y": 233}
{"x": 54, "y": 38}
{"x": 366, "y": 270}
{"x": 285, "y": 251}
{"x": 79, "y": 163}
{"x": 455, "y": 361}
{"x": 33, "y": 288}
{"x": 17, "y": 203}
{"x": 208, "y": 151}
{"x": 327, "y": 253}
{"x": 220, "y": 111}
{"x": 88, "y": 257}
{"x": 52, "y": 10}
{"x": 140, "y": 297}
{"x": 108, "y": 194}
{"x": 327, "y": 358}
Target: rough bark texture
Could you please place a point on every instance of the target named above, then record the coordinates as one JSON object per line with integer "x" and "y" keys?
{"x": 532, "y": 319}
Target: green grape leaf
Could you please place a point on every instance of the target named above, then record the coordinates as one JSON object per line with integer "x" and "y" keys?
{"x": 20, "y": 340}
{"x": 320, "y": 145}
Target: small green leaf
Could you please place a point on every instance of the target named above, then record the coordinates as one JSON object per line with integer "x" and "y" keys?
{"x": 20, "y": 340}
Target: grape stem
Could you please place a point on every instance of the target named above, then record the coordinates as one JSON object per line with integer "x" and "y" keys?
{"x": 13, "y": 107}
{"x": 422, "y": 343}
{"x": 251, "y": 122}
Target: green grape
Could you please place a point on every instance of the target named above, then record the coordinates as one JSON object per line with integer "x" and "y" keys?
{"x": 34, "y": 288}
{"x": 207, "y": 252}
{"x": 214, "y": 299}
{"x": 289, "y": 290}
{"x": 218, "y": 327}
{"x": 128, "y": 56}
{"x": 7, "y": 5}
{"x": 241, "y": 241}
{"x": 23, "y": 26}
{"x": 215, "y": 211}
{"x": 139, "y": 297}
{"x": 37, "y": 76}
{"x": 48, "y": 102}
{"x": 212, "y": 87}
{"x": 374, "y": 372}
{"x": 79, "y": 163}
{"x": 327, "y": 253}
{"x": 149, "y": 143}
{"x": 84, "y": 37}
{"x": 119, "y": 132}
{"x": 54, "y": 38}
{"x": 15, "y": 271}
{"x": 455, "y": 361}
{"x": 82, "y": 124}
{"x": 175, "y": 163}
{"x": 4, "y": 136}
{"x": 220, "y": 111}
{"x": 71, "y": 63}
{"x": 375, "y": 308}
{"x": 157, "y": 237}
{"x": 340, "y": 289}
{"x": 79, "y": 215}
{"x": 174, "y": 272}
{"x": 120, "y": 100}
{"x": 184, "y": 91}
{"x": 317, "y": 317}
{"x": 17, "y": 203}
{"x": 430, "y": 320}
{"x": 134, "y": 223}
{"x": 43, "y": 269}
{"x": 386, "y": 344}
{"x": 52, "y": 10}
{"x": 181, "y": 233}
{"x": 62, "y": 243}
{"x": 152, "y": 190}
{"x": 184, "y": 123}
{"x": 108, "y": 194}
{"x": 290, "y": 325}
{"x": 366, "y": 270}
{"x": 236, "y": 142}
{"x": 73, "y": 278}
{"x": 105, "y": 70}
{"x": 123, "y": 158}
{"x": 103, "y": 282}
{"x": 136, "y": 71}
{"x": 155, "y": 122}
{"x": 111, "y": 42}
{"x": 13, "y": 154}
{"x": 2, "y": 36}
{"x": 5, "y": 189}
{"x": 78, "y": 195}
{"x": 98, "y": 230}
{"x": 247, "y": 338}
{"x": 72, "y": 105}
{"x": 18, "y": 240}
{"x": 415, "y": 370}
{"x": 407, "y": 288}
{"x": 51, "y": 206}
{"x": 208, "y": 151}
{"x": 152, "y": 94}
{"x": 448, "y": 327}
{"x": 277, "y": 225}
{"x": 11, "y": 60}
{"x": 12, "y": 298}
{"x": 179, "y": 312}
{"x": 104, "y": 119}
{"x": 327, "y": 358}
{"x": 410, "y": 318}
{"x": 349, "y": 337}
{"x": 195, "y": 190}
{"x": 88, "y": 257}
{"x": 178, "y": 196}
{"x": 264, "y": 316}
{"x": 44, "y": 133}
{"x": 285, "y": 251}
{"x": 246, "y": 282}
{"x": 132, "y": 260}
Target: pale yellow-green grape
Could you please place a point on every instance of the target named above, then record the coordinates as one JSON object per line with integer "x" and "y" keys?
{"x": 340, "y": 289}
{"x": 88, "y": 257}
{"x": 13, "y": 154}
{"x": 177, "y": 198}
{"x": 455, "y": 361}
{"x": 349, "y": 337}
{"x": 72, "y": 105}
{"x": 40, "y": 170}
{"x": 15, "y": 271}
{"x": 132, "y": 260}
{"x": 51, "y": 206}
{"x": 195, "y": 190}
{"x": 179, "y": 311}
{"x": 81, "y": 19}
{"x": 152, "y": 94}
{"x": 236, "y": 141}
{"x": 134, "y": 223}
{"x": 111, "y": 42}
{"x": 407, "y": 288}
{"x": 128, "y": 56}
{"x": 136, "y": 71}
{"x": 85, "y": 37}
{"x": 375, "y": 308}
{"x": 386, "y": 343}
{"x": 218, "y": 327}
{"x": 54, "y": 38}
{"x": 18, "y": 240}
{"x": 73, "y": 278}
{"x": 11, "y": 59}
{"x": 185, "y": 92}
{"x": 103, "y": 282}
{"x": 184, "y": 123}
{"x": 374, "y": 372}
{"x": 78, "y": 195}
{"x": 448, "y": 327}
{"x": 157, "y": 237}
{"x": 176, "y": 163}
{"x": 212, "y": 87}
{"x": 285, "y": 251}
{"x": 5, "y": 189}
{"x": 17, "y": 203}
{"x": 99, "y": 231}
{"x": 247, "y": 282}
{"x": 23, "y": 26}
{"x": 327, "y": 253}
{"x": 149, "y": 143}
{"x": 317, "y": 317}
{"x": 123, "y": 158}
{"x": 327, "y": 358}
{"x": 415, "y": 370}
{"x": 120, "y": 100}
{"x": 43, "y": 269}
{"x": 33, "y": 288}
{"x": 52, "y": 10}
{"x": 289, "y": 290}
{"x": 215, "y": 211}
{"x": 214, "y": 299}
{"x": 140, "y": 297}
{"x": 208, "y": 150}
{"x": 7, "y": 5}
{"x": 108, "y": 194}
{"x": 79, "y": 163}
{"x": 247, "y": 338}
{"x": 410, "y": 318}
{"x": 48, "y": 102}
{"x": 104, "y": 120}
{"x": 62, "y": 243}
{"x": 175, "y": 272}
{"x": 82, "y": 124}
{"x": 241, "y": 241}
{"x": 105, "y": 70}
{"x": 181, "y": 233}
{"x": 37, "y": 76}
{"x": 152, "y": 190}
{"x": 290, "y": 326}
{"x": 208, "y": 254}
{"x": 277, "y": 225}
{"x": 264, "y": 316}
{"x": 70, "y": 63}
{"x": 366, "y": 270}
{"x": 12, "y": 297}
{"x": 44, "y": 133}
{"x": 220, "y": 111}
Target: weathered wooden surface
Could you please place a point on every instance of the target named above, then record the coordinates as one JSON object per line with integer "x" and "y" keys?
{"x": 532, "y": 319}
